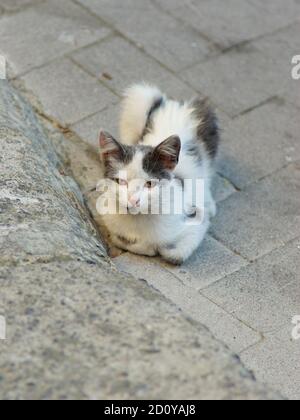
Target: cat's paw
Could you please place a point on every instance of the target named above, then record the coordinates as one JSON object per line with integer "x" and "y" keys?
{"x": 172, "y": 255}
{"x": 115, "y": 252}
{"x": 177, "y": 261}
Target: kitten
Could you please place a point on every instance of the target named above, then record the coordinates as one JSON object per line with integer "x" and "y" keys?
{"x": 163, "y": 143}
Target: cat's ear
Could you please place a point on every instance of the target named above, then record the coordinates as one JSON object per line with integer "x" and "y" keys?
{"x": 110, "y": 148}
{"x": 167, "y": 152}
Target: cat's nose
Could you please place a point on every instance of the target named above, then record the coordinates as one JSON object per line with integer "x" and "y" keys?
{"x": 135, "y": 202}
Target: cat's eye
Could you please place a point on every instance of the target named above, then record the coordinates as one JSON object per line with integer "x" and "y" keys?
{"x": 150, "y": 184}
{"x": 121, "y": 182}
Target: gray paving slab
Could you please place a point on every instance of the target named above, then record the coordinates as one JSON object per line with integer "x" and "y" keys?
{"x": 119, "y": 64}
{"x": 89, "y": 128}
{"x": 276, "y": 360}
{"x": 263, "y": 217}
{"x": 211, "y": 262}
{"x": 259, "y": 143}
{"x": 39, "y": 34}
{"x": 66, "y": 92}
{"x": 250, "y": 73}
{"x": 264, "y": 295}
{"x": 13, "y": 5}
{"x": 172, "y": 43}
{"x": 235, "y": 21}
{"x": 235, "y": 80}
{"x": 222, "y": 188}
{"x": 280, "y": 48}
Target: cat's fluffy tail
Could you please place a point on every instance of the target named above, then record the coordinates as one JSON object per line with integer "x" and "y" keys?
{"x": 139, "y": 103}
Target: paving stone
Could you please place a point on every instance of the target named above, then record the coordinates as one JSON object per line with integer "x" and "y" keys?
{"x": 113, "y": 10}
{"x": 174, "y": 44}
{"x": 223, "y": 326}
{"x": 251, "y": 73}
{"x": 27, "y": 43}
{"x": 276, "y": 361}
{"x": 263, "y": 217}
{"x": 89, "y": 128}
{"x": 292, "y": 93}
{"x": 222, "y": 188}
{"x": 259, "y": 143}
{"x": 125, "y": 64}
{"x": 12, "y": 5}
{"x": 210, "y": 263}
{"x": 67, "y": 93}
{"x": 276, "y": 9}
{"x": 236, "y": 22}
{"x": 264, "y": 295}
{"x": 280, "y": 48}
{"x": 236, "y": 80}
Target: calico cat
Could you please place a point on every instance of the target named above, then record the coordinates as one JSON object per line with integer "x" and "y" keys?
{"x": 163, "y": 143}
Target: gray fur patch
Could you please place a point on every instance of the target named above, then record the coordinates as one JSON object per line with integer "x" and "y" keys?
{"x": 180, "y": 180}
{"x": 208, "y": 129}
{"x": 154, "y": 168}
{"x": 171, "y": 247}
{"x": 161, "y": 161}
{"x": 156, "y": 105}
{"x": 112, "y": 166}
{"x": 192, "y": 149}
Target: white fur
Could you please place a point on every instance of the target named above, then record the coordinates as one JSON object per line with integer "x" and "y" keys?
{"x": 137, "y": 102}
{"x": 167, "y": 235}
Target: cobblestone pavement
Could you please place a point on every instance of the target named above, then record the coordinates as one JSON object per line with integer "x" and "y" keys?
{"x": 73, "y": 58}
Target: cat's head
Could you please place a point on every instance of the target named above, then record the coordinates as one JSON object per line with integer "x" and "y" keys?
{"x": 141, "y": 169}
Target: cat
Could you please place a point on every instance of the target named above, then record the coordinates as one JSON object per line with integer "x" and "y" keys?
{"x": 163, "y": 143}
